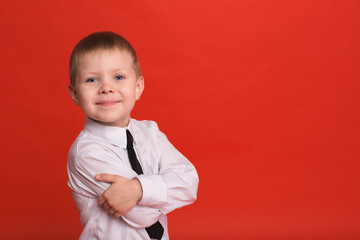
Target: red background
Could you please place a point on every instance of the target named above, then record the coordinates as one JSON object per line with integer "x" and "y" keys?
{"x": 267, "y": 92}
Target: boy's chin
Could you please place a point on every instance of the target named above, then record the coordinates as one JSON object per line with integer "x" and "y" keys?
{"x": 112, "y": 123}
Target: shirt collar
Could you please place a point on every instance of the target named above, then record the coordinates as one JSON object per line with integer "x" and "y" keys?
{"x": 113, "y": 135}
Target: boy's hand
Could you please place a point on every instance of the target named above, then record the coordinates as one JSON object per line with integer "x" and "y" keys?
{"x": 122, "y": 195}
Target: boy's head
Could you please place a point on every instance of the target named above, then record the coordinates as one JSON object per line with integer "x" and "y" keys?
{"x": 105, "y": 78}
{"x": 100, "y": 41}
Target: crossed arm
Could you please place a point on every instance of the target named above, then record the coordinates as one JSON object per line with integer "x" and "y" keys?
{"x": 122, "y": 195}
{"x": 138, "y": 199}
{"x": 94, "y": 160}
{"x": 174, "y": 186}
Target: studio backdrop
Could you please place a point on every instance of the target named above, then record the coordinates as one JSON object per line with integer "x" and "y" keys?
{"x": 261, "y": 96}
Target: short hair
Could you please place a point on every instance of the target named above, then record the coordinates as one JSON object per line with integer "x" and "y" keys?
{"x": 100, "y": 41}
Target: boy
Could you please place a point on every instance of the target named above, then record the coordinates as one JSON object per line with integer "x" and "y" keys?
{"x": 146, "y": 176}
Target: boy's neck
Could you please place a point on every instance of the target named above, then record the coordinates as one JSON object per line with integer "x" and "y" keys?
{"x": 110, "y": 124}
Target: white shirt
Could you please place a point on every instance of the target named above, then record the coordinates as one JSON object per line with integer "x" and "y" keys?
{"x": 169, "y": 181}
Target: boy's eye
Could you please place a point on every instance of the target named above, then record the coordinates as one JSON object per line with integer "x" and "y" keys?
{"x": 91, "y": 80}
{"x": 119, "y": 77}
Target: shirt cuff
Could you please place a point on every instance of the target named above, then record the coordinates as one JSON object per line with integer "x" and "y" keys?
{"x": 154, "y": 191}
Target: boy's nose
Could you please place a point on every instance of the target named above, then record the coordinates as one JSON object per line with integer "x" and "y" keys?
{"x": 105, "y": 88}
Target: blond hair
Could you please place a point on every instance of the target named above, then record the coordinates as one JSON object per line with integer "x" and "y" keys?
{"x": 100, "y": 41}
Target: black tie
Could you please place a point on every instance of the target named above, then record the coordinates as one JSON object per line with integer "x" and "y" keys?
{"x": 155, "y": 231}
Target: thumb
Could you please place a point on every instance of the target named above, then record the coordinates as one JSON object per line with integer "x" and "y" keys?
{"x": 104, "y": 177}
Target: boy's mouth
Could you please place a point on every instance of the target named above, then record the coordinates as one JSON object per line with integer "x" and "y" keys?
{"x": 107, "y": 103}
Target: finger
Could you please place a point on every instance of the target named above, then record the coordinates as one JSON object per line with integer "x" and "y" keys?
{"x": 106, "y": 206}
{"x": 104, "y": 177}
{"x": 117, "y": 214}
{"x": 101, "y": 199}
{"x": 111, "y": 211}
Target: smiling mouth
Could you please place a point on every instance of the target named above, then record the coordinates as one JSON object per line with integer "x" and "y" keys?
{"x": 107, "y": 103}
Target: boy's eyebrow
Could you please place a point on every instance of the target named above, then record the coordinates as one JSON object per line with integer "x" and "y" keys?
{"x": 97, "y": 73}
{"x": 119, "y": 69}
{"x": 88, "y": 73}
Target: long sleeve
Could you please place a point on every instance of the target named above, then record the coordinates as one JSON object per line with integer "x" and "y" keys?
{"x": 176, "y": 183}
{"x": 94, "y": 159}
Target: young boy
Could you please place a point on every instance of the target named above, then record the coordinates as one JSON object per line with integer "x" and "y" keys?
{"x": 146, "y": 177}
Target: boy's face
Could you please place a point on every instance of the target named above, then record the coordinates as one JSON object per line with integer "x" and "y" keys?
{"x": 106, "y": 86}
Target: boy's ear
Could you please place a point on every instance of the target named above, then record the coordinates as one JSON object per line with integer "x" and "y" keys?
{"x": 140, "y": 85}
{"x": 73, "y": 94}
